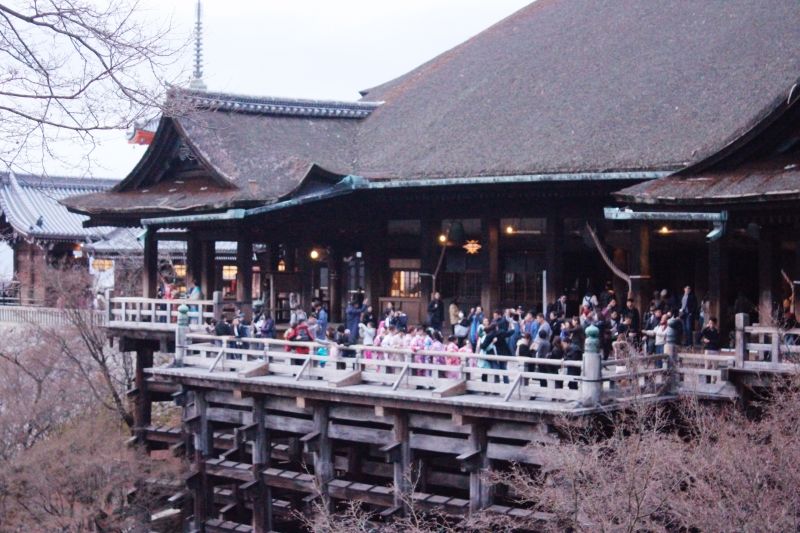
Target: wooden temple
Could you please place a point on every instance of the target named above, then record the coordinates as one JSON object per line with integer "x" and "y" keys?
{"x": 665, "y": 134}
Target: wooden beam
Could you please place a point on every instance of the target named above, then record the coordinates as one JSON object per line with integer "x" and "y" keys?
{"x": 479, "y": 488}
{"x": 150, "y": 273}
{"x": 323, "y": 457}
{"x": 402, "y": 466}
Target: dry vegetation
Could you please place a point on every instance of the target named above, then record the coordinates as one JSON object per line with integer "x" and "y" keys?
{"x": 64, "y": 423}
{"x": 683, "y": 468}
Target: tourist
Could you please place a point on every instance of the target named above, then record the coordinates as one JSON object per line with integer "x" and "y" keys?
{"x": 659, "y": 334}
{"x": 322, "y": 317}
{"x": 709, "y": 336}
{"x": 452, "y": 360}
{"x": 688, "y": 311}
{"x": 353, "y": 318}
{"x": 461, "y": 328}
{"x": 454, "y": 313}
{"x": 436, "y": 312}
{"x": 523, "y": 348}
{"x": 368, "y": 316}
{"x": 542, "y": 345}
{"x": 475, "y": 321}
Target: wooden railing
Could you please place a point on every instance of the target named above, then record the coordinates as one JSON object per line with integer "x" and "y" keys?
{"x": 766, "y": 347}
{"x": 48, "y": 316}
{"x": 444, "y": 374}
{"x": 706, "y": 373}
{"x": 131, "y": 310}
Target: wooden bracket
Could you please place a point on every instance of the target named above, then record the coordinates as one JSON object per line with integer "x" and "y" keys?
{"x": 192, "y": 423}
{"x": 453, "y": 389}
{"x": 311, "y": 441}
{"x": 353, "y": 378}
{"x": 392, "y": 452}
{"x": 256, "y": 371}
{"x": 179, "y": 398}
{"x": 470, "y": 461}
{"x": 462, "y": 420}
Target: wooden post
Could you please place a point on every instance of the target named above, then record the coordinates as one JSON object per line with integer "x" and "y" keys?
{"x": 193, "y": 261}
{"x": 244, "y": 276}
{"x": 323, "y": 456}
{"x": 216, "y": 298}
{"x": 671, "y": 351}
{"x": 181, "y": 330}
{"x": 207, "y": 268}
{"x": 717, "y": 282}
{"x": 262, "y": 446}
{"x": 490, "y": 280}
{"x": 150, "y": 274}
{"x": 143, "y": 410}
{"x": 640, "y": 265}
{"x": 402, "y": 464}
{"x": 429, "y": 251}
{"x": 592, "y": 371}
{"x": 335, "y": 285}
{"x": 479, "y": 489}
{"x": 742, "y": 322}
{"x": 204, "y": 448}
{"x": 766, "y": 275}
{"x": 554, "y": 257}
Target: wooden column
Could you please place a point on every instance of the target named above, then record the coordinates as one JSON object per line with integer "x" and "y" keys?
{"x": 554, "y": 257}
{"x": 767, "y": 270}
{"x": 490, "y": 279}
{"x": 244, "y": 276}
{"x": 620, "y": 260}
{"x": 402, "y": 463}
{"x": 207, "y": 268}
{"x": 429, "y": 255}
{"x": 150, "y": 274}
{"x": 640, "y": 265}
{"x": 376, "y": 266}
{"x": 142, "y": 408}
{"x": 718, "y": 275}
{"x": 323, "y": 455}
{"x": 335, "y": 285}
{"x": 193, "y": 261}
{"x": 479, "y": 488}
{"x": 204, "y": 448}
{"x": 262, "y": 446}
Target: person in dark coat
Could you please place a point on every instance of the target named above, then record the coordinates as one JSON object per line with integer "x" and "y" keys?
{"x": 436, "y": 312}
{"x": 353, "y": 317}
{"x": 688, "y": 312}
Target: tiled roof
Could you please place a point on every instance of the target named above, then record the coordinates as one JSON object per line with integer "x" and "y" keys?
{"x": 561, "y": 87}
{"x": 31, "y": 206}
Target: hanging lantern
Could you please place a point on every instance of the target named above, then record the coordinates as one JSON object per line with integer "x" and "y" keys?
{"x": 472, "y": 247}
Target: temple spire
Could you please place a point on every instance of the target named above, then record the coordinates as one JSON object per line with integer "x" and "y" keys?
{"x": 197, "y": 80}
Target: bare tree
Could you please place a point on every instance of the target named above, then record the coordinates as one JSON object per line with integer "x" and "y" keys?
{"x": 73, "y": 68}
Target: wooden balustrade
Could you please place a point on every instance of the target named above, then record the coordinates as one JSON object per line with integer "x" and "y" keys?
{"x": 444, "y": 374}
{"x": 768, "y": 348}
{"x": 133, "y": 310}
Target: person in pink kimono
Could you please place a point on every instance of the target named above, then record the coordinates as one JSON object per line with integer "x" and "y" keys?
{"x": 452, "y": 360}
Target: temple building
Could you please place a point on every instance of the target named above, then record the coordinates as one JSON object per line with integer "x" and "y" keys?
{"x": 515, "y": 139}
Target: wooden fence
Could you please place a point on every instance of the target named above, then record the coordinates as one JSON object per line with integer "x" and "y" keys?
{"x": 129, "y": 311}
{"x": 444, "y": 374}
{"x": 767, "y": 348}
{"x": 48, "y": 316}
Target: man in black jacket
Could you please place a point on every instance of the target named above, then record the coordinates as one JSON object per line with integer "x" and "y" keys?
{"x": 436, "y": 312}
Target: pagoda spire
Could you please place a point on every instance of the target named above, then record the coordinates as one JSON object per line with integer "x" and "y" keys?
{"x": 197, "y": 80}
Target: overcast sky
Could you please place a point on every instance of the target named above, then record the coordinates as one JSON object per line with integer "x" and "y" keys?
{"x": 327, "y": 49}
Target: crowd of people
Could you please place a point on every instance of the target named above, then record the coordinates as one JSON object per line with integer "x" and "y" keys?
{"x": 556, "y": 333}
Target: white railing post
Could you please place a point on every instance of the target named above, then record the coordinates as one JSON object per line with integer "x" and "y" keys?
{"x": 180, "y": 334}
{"x": 592, "y": 379}
{"x": 742, "y": 322}
{"x": 671, "y": 351}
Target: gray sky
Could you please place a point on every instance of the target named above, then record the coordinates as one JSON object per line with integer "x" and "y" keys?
{"x": 310, "y": 48}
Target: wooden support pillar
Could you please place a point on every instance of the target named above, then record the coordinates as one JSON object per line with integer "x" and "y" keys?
{"x": 620, "y": 260}
{"x": 204, "y": 449}
{"x": 150, "y": 274}
{"x": 323, "y": 455}
{"x": 244, "y": 276}
{"x": 142, "y": 408}
{"x": 262, "y": 446}
{"x": 376, "y": 266}
{"x": 480, "y": 495}
{"x": 490, "y": 280}
{"x": 207, "y": 268}
{"x": 640, "y": 266}
{"x": 767, "y": 271}
{"x": 554, "y": 257}
{"x": 335, "y": 285}
{"x": 402, "y": 462}
{"x": 718, "y": 280}
{"x": 429, "y": 252}
{"x": 193, "y": 261}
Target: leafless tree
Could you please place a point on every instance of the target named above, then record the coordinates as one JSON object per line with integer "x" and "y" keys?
{"x": 73, "y": 68}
